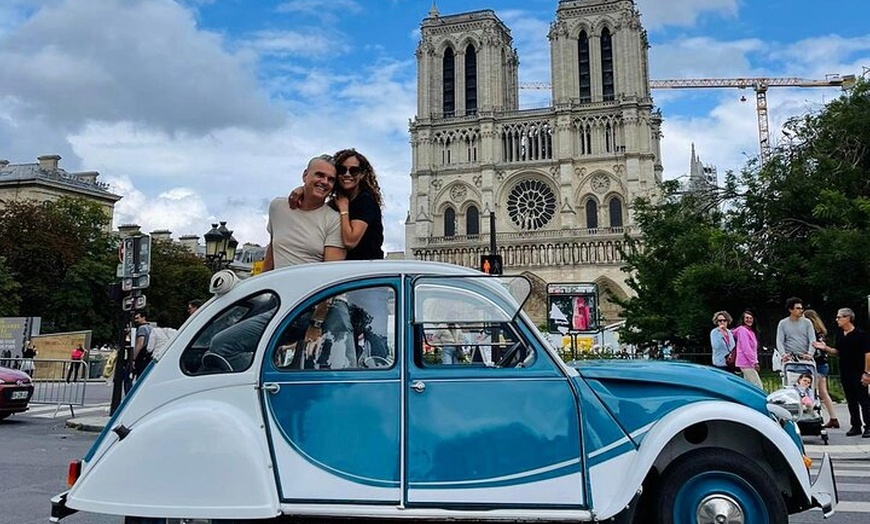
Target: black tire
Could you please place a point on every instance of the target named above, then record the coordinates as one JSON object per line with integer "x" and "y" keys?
{"x": 4, "y": 415}
{"x": 709, "y": 482}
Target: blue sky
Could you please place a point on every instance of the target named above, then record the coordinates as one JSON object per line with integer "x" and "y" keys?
{"x": 203, "y": 110}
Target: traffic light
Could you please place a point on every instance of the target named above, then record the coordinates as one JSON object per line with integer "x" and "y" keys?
{"x": 491, "y": 264}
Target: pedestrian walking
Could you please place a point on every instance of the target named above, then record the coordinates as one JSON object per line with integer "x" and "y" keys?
{"x": 852, "y": 345}
{"x": 746, "y": 341}
{"x": 794, "y": 334}
{"x": 721, "y": 339}
{"x": 823, "y": 368}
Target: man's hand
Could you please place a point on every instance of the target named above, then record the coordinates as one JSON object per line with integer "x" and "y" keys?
{"x": 295, "y": 198}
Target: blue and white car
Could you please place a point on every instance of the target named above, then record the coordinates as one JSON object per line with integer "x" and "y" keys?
{"x": 421, "y": 391}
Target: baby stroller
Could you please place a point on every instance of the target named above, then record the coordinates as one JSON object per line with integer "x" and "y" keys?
{"x": 802, "y": 402}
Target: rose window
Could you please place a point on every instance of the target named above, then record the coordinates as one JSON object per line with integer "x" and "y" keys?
{"x": 531, "y": 205}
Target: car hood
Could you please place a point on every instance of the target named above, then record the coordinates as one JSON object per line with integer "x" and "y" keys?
{"x": 677, "y": 379}
{"x": 10, "y": 375}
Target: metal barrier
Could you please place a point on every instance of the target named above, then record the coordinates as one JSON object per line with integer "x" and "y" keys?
{"x": 55, "y": 381}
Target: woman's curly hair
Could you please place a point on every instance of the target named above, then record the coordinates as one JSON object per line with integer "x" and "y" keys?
{"x": 369, "y": 180}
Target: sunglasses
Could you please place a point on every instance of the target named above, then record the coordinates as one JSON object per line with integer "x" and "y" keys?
{"x": 721, "y": 320}
{"x": 352, "y": 170}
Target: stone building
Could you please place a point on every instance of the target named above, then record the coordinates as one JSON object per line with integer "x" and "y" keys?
{"x": 45, "y": 180}
{"x": 559, "y": 179}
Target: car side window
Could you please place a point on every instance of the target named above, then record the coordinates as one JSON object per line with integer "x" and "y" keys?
{"x": 228, "y": 342}
{"x": 349, "y": 330}
{"x": 485, "y": 344}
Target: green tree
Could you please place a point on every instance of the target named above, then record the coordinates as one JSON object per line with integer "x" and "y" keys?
{"x": 177, "y": 276}
{"x": 9, "y": 299}
{"x": 61, "y": 254}
{"x": 797, "y": 226}
{"x": 686, "y": 266}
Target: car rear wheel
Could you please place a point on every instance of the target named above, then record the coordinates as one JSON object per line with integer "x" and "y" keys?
{"x": 718, "y": 485}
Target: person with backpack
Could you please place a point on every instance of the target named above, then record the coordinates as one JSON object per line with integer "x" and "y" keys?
{"x": 141, "y": 354}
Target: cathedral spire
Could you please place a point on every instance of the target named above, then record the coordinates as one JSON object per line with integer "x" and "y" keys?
{"x": 433, "y": 13}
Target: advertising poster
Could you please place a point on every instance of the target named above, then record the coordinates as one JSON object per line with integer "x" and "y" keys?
{"x": 572, "y": 308}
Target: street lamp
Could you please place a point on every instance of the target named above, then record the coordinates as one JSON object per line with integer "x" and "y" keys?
{"x": 220, "y": 247}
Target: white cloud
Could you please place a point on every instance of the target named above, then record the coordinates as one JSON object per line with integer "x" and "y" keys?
{"x": 71, "y": 65}
{"x": 658, "y": 14}
{"x": 306, "y": 43}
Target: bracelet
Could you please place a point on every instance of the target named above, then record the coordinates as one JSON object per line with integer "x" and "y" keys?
{"x": 343, "y": 213}
{"x": 316, "y": 323}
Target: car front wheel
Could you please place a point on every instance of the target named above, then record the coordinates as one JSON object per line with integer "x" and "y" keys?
{"x": 718, "y": 485}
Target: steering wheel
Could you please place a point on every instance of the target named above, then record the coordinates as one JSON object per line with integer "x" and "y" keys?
{"x": 509, "y": 354}
{"x": 375, "y": 362}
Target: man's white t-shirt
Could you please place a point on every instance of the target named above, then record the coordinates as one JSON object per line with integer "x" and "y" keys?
{"x": 298, "y": 237}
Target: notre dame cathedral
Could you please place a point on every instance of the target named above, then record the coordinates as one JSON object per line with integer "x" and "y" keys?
{"x": 558, "y": 179}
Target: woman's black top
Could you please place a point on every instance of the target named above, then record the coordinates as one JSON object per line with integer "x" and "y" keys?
{"x": 365, "y": 208}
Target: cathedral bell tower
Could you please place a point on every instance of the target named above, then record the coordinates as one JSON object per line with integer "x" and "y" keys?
{"x": 560, "y": 179}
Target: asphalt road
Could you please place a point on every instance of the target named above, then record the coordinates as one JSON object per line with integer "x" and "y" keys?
{"x": 35, "y": 449}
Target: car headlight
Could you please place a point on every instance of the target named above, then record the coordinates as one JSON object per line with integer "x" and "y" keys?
{"x": 779, "y": 414}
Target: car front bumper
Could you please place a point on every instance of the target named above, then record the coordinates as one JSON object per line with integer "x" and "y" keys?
{"x": 824, "y": 490}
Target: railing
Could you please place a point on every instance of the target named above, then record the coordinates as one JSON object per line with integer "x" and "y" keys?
{"x": 576, "y": 233}
{"x": 55, "y": 381}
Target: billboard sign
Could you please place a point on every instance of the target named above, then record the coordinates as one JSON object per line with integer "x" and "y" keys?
{"x": 572, "y": 307}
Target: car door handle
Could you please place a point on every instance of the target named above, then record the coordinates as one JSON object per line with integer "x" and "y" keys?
{"x": 271, "y": 388}
{"x": 418, "y": 386}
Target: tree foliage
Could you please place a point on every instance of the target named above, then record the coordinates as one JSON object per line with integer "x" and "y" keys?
{"x": 797, "y": 226}
{"x": 61, "y": 256}
{"x": 177, "y": 276}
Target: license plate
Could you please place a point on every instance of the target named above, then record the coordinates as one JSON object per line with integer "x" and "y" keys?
{"x": 18, "y": 395}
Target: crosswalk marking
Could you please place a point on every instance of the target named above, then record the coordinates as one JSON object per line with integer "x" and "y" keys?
{"x": 52, "y": 411}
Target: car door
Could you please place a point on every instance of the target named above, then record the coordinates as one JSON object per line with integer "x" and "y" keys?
{"x": 333, "y": 407}
{"x": 491, "y": 421}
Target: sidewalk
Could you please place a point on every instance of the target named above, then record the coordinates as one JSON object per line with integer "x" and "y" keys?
{"x": 839, "y": 445}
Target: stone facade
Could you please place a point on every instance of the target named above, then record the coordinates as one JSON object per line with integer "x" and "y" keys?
{"x": 46, "y": 181}
{"x": 558, "y": 179}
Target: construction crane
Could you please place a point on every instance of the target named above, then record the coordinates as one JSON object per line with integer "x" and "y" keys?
{"x": 760, "y": 85}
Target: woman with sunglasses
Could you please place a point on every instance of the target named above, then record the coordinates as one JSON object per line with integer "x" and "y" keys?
{"x": 721, "y": 339}
{"x": 357, "y": 198}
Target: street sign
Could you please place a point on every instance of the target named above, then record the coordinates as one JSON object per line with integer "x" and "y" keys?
{"x": 136, "y": 256}
{"x": 131, "y": 283}
{"x": 127, "y": 304}
{"x": 139, "y": 303}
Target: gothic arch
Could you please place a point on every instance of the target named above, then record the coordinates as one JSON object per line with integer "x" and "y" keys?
{"x": 536, "y": 305}
{"x": 591, "y": 211}
{"x": 580, "y": 26}
{"x": 467, "y": 40}
{"x": 608, "y": 202}
{"x": 603, "y": 23}
{"x": 585, "y": 186}
{"x": 443, "y": 197}
{"x": 444, "y": 45}
{"x": 608, "y": 288}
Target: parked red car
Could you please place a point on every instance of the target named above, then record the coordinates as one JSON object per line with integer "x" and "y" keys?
{"x": 16, "y": 388}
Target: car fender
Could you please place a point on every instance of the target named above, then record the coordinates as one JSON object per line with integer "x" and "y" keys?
{"x": 616, "y": 481}
{"x": 194, "y": 458}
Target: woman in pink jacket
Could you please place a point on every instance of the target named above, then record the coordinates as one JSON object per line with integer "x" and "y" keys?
{"x": 746, "y": 336}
